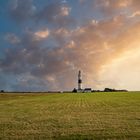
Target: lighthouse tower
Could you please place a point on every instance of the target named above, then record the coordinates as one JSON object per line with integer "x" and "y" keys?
{"x": 79, "y": 81}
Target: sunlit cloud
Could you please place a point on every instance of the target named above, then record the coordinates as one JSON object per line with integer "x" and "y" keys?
{"x": 41, "y": 34}
{"x": 65, "y": 11}
{"x": 135, "y": 14}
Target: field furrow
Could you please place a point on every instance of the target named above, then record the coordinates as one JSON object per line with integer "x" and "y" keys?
{"x": 70, "y": 116}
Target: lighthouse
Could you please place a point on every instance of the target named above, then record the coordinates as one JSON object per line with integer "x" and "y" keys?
{"x": 79, "y": 81}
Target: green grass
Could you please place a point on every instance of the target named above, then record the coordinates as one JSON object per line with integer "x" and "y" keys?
{"x": 84, "y": 116}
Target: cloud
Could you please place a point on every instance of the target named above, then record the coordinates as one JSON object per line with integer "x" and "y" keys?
{"x": 113, "y": 7}
{"x": 49, "y": 55}
{"x": 56, "y": 13}
{"x": 64, "y": 11}
{"x": 135, "y": 4}
{"x": 12, "y": 38}
{"x": 42, "y": 34}
{"x": 22, "y": 10}
{"x": 135, "y": 14}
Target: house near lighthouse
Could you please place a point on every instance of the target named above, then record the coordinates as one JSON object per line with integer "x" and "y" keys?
{"x": 80, "y": 89}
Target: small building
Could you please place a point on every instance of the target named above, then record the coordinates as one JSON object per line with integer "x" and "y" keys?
{"x": 87, "y": 90}
{"x": 80, "y": 89}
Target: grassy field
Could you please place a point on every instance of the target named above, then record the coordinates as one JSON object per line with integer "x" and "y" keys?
{"x": 60, "y": 116}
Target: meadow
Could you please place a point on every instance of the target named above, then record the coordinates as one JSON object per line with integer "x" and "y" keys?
{"x": 65, "y": 116}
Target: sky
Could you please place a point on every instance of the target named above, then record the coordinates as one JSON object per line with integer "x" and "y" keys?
{"x": 44, "y": 43}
